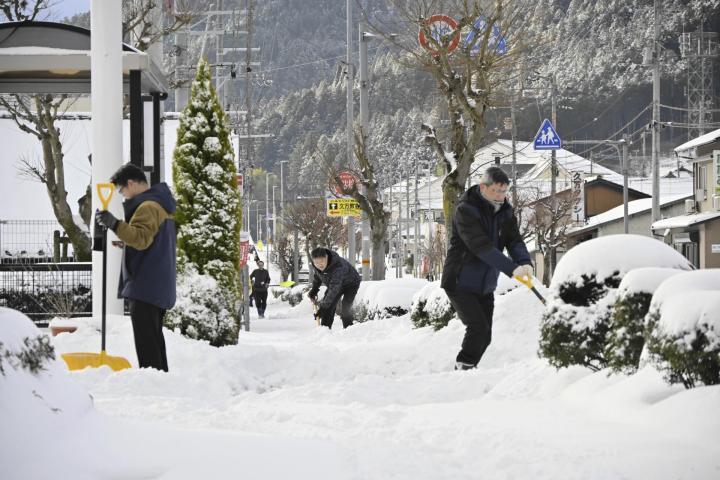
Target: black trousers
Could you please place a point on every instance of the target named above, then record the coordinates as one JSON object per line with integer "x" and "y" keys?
{"x": 348, "y": 297}
{"x": 475, "y": 311}
{"x": 261, "y": 301}
{"x": 147, "y": 322}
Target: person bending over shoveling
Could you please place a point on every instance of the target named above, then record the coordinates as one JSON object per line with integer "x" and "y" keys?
{"x": 342, "y": 282}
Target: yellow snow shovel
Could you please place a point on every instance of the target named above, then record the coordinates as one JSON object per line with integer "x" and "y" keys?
{"x": 527, "y": 281}
{"x": 78, "y": 361}
{"x": 287, "y": 283}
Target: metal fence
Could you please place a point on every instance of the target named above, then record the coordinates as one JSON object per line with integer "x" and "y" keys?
{"x": 46, "y": 290}
{"x": 33, "y": 241}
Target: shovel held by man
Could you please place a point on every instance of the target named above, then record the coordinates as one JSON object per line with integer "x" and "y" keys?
{"x": 81, "y": 360}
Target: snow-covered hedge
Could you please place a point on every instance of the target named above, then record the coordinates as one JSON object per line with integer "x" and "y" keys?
{"x": 431, "y": 306}
{"x": 626, "y": 338}
{"x": 583, "y": 292}
{"x": 22, "y": 345}
{"x": 685, "y": 340}
{"x": 204, "y": 310}
{"x": 381, "y": 299}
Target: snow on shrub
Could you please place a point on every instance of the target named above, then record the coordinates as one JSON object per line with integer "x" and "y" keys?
{"x": 381, "y": 299}
{"x": 431, "y": 307}
{"x": 204, "y": 310}
{"x": 685, "y": 343}
{"x": 626, "y": 337}
{"x": 583, "y": 291}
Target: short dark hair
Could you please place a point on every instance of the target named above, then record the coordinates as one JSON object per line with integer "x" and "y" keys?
{"x": 128, "y": 172}
{"x": 495, "y": 175}
{"x": 319, "y": 252}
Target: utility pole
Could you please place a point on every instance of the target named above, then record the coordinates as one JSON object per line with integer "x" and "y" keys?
{"x": 364, "y": 37}
{"x": 656, "y": 117}
{"x": 626, "y": 142}
{"x": 267, "y": 219}
{"x": 350, "y": 116}
{"x": 513, "y": 135}
{"x": 553, "y": 186}
{"x": 416, "y": 225}
{"x": 400, "y": 247}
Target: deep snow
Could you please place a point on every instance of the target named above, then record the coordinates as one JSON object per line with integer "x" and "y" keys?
{"x": 379, "y": 400}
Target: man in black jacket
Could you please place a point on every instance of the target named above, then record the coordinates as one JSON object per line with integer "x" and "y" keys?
{"x": 341, "y": 280}
{"x": 261, "y": 279}
{"x": 484, "y": 225}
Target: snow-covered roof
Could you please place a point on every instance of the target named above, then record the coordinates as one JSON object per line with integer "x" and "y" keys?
{"x": 635, "y": 207}
{"x": 683, "y": 221}
{"x": 699, "y": 141}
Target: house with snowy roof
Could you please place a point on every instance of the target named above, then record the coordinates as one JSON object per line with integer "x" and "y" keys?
{"x": 695, "y": 232}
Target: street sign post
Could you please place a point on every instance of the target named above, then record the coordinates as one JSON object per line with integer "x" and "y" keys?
{"x": 547, "y": 138}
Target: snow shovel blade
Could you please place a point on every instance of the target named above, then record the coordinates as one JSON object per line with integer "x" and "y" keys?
{"x": 288, "y": 283}
{"x": 528, "y": 283}
{"x": 79, "y": 361}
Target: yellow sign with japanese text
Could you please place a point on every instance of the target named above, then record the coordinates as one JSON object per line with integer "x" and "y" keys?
{"x": 343, "y": 207}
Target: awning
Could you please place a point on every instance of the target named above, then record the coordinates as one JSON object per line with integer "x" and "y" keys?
{"x": 684, "y": 221}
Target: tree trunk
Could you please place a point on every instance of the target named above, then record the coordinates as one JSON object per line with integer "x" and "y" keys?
{"x": 379, "y": 226}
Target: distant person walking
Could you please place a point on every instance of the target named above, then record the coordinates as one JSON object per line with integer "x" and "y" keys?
{"x": 484, "y": 225}
{"x": 148, "y": 270}
{"x": 342, "y": 282}
{"x": 260, "y": 282}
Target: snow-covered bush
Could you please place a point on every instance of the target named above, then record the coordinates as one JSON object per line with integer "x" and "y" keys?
{"x": 583, "y": 292}
{"x": 204, "y": 310}
{"x": 208, "y": 204}
{"x": 381, "y": 299}
{"x": 294, "y": 294}
{"x": 685, "y": 340}
{"x": 626, "y": 338}
{"x": 431, "y": 307}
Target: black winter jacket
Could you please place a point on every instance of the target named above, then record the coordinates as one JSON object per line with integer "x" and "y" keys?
{"x": 338, "y": 275}
{"x": 261, "y": 280}
{"x": 479, "y": 235}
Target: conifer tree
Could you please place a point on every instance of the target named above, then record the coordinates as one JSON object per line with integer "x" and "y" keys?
{"x": 209, "y": 209}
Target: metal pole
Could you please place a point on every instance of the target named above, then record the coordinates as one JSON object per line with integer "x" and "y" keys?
{"x": 282, "y": 194}
{"x": 406, "y": 226}
{"x": 513, "y": 134}
{"x": 626, "y": 141}
{"x": 429, "y": 222}
{"x": 296, "y": 257}
{"x": 267, "y": 219}
{"x": 656, "y": 118}
{"x": 274, "y": 216}
{"x": 416, "y": 225}
{"x": 364, "y": 125}
{"x": 400, "y": 248}
{"x": 350, "y": 116}
{"x": 553, "y": 186}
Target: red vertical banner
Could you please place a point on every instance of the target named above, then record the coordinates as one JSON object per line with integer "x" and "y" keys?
{"x": 239, "y": 180}
{"x": 244, "y": 248}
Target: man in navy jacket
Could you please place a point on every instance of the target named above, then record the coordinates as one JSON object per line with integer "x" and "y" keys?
{"x": 484, "y": 225}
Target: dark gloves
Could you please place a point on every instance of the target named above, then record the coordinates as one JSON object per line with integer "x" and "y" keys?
{"x": 107, "y": 220}
{"x": 312, "y": 295}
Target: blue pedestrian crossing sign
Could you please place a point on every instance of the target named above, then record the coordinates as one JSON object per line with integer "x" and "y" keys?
{"x": 547, "y": 138}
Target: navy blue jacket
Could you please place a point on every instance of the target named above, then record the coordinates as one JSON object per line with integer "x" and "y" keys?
{"x": 149, "y": 275}
{"x": 479, "y": 236}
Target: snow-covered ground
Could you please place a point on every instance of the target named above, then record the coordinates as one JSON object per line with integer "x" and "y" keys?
{"x": 378, "y": 400}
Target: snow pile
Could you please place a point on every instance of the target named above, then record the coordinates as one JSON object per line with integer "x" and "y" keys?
{"x": 645, "y": 280}
{"x": 37, "y": 399}
{"x": 584, "y": 291}
{"x": 613, "y": 256}
{"x": 706, "y": 279}
{"x": 380, "y": 299}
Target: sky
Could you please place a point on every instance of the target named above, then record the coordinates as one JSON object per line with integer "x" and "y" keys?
{"x": 66, "y": 8}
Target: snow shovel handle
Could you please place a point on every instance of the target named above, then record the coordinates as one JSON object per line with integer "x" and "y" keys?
{"x": 527, "y": 281}
{"x": 105, "y": 200}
